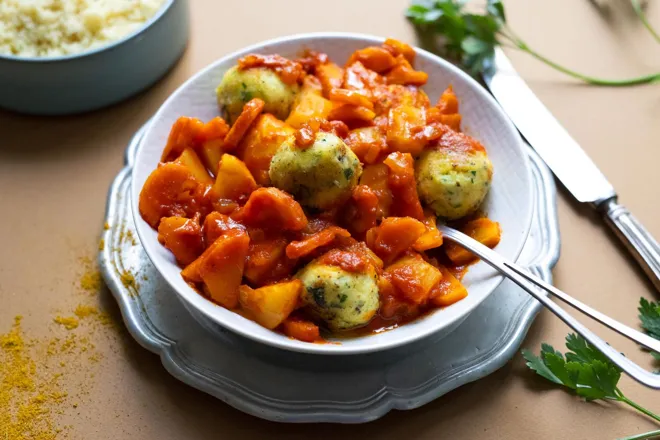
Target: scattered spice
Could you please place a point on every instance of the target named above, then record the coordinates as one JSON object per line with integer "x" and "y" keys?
{"x": 106, "y": 226}
{"x": 68, "y": 322}
{"x": 90, "y": 280}
{"x": 101, "y": 244}
{"x": 27, "y": 394}
{"x": 131, "y": 237}
{"x": 128, "y": 280}
{"x": 127, "y": 236}
{"x": 84, "y": 311}
{"x": 31, "y": 372}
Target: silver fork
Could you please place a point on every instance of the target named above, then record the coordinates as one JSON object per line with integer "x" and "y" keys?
{"x": 531, "y": 283}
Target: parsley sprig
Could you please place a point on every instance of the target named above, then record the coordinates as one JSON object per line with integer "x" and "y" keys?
{"x": 471, "y": 39}
{"x": 587, "y": 371}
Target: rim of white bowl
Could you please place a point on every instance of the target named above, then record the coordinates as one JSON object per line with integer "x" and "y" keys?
{"x": 330, "y": 348}
{"x": 105, "y": 48}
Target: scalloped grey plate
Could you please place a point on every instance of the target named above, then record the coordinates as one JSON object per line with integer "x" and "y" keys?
{"x": 293, "y": 387}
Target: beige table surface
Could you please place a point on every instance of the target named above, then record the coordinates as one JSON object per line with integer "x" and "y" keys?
{"x": 54, "y": 174}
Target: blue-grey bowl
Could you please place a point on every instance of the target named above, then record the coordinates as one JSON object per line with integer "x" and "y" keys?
{"x": 97, "y": 78}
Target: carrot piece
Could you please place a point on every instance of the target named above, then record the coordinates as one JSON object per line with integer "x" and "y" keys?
{"x": 348, "y": 112}
{"x": 330, "y": 75}
{"x": 217, "y": 224}
{"x": 378, "y": 59}
{"x": 184, "y": 134}
{"x": 376, "y": 177}
{"x": 361, "y": 212}
{"x": 484, "y": 230}
{"x": 358, "y": 77}
{"x": 171, "y": 190}
{"x": 266, "y": 261}
{"x": 368, "y": 144}
{"x": 271, "y": 208}
{"x": 413, "y": 277}
{"x": 353, "y": 97}
{"x": 394, "y": 236}
{"x": 402, "y": 182}
{"x": 301, "y": 329}
{"x": 290, "y": 72}
{"x": 404, "y": 74}
{"x": 192, "y": 133}
{"x": 183, "y": 237}
{"x": 251, "y": 110}
{"x": 448, "y": 102}
{"x": 302, "y": 248}
{"x": 397, "y": 48}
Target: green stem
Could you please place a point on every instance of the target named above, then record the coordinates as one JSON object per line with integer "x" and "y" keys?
{"x": 639, "y": 408}
{"x": 637, "y": 6}
{"x": 588, "y": 79}
{"x": 508, "y": 34}
{"x": 646, "y": 435}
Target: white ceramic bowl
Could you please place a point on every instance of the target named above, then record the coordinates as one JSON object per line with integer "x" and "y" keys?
{"x": 509, "y": 201}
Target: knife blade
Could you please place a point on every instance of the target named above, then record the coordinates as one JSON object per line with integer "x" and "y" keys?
{"x": 568, "y": 161}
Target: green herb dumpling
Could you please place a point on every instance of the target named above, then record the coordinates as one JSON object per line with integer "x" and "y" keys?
{"x": 239, "y": 86}
{"x": 454, "y": 179}
{"x": 320, "y": 176}
{"x": 342, "y": 299}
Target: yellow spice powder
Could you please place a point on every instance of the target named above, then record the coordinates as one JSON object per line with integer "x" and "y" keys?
{"x": 91, "y": 280}
{"x": 24, "y": 410}
{"x": 127, "y": 279}
{"x": 68, "y": 322}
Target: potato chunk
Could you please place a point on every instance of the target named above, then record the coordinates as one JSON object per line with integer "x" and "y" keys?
{"x": 271, "y": 305}
{"x": 233, "y": 180}
{"x": 484, "y": 230}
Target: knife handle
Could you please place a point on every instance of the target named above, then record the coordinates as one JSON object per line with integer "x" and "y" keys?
{"x": 639, "y": 242}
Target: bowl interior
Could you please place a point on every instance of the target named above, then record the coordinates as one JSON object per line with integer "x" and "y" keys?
{"x": 509, "y": 201}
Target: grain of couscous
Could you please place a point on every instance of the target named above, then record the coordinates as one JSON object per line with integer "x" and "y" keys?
{"x": 49, "y": 28}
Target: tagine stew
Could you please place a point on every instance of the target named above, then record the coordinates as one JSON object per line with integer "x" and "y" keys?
{"x": 311, "y": 207}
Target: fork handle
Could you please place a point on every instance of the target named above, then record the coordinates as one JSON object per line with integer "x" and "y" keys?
{"x": 639, "y": 242}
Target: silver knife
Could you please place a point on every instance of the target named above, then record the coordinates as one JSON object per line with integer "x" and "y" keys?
{"x": 569, "y": 162}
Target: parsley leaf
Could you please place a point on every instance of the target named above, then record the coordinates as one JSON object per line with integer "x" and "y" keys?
{"x": 649, "y": 314}
{"x": 585, "y": 369}
{"x": 581, "y": 351}
{"x": 546, "y": 364}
